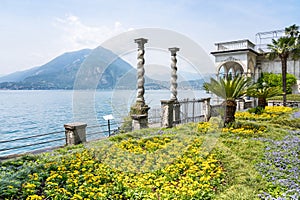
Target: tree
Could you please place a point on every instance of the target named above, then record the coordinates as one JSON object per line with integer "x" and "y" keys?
{"x": 229, "y": 89}
{"x": 292, "y": 31}
{"x": 262, "y": 93}
{"x": 285, "y": 47}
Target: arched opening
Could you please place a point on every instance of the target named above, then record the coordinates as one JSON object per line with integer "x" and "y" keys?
{"x": 230, "y": 69}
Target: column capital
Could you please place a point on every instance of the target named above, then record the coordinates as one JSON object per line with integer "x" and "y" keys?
{"x": 173, "y": 50}
{"x": 141, "y": 42}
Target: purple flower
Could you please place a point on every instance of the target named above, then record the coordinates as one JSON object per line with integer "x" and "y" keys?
{"x": 280, "y": 166}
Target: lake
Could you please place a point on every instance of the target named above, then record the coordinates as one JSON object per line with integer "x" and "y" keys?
{"x": 33, "y": 112}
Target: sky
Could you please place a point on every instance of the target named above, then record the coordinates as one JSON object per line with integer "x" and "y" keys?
{"x": 32, "y": 32}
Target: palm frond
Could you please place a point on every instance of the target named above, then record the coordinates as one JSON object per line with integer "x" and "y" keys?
{"x": 229, "y": 89}
{"x": 265, "y": 92}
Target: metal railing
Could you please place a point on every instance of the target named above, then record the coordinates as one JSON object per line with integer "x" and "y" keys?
{"x": 99, "y": 131}
{"x": 192, "y": 110}
{"x": 292, "y": 104}
{"x": 11, "y": 148}
{"x": 154, "y": 115}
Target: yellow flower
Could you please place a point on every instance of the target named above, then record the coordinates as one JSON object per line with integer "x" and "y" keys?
{"x": 34, "y": 197}
{"x": 76, "y": 196}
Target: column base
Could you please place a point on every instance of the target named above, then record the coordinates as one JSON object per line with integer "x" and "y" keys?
{"x": 139, "y": 121}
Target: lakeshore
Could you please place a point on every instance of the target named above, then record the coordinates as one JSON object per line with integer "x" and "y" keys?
{"x": 28, "y": 113}
{"x": 257, "y": 158}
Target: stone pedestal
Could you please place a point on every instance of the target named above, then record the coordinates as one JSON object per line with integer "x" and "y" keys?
{"x": 139, "y": 122}
{"x": 176, "y": 112}
{"x": 167, "y": 114}
{"x": 75, "y": 133}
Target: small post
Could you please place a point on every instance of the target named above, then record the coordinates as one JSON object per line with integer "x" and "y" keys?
{"x": 207, "y": 109}
{"x": 75, "y": 133}
{"x": 108, "y": 124}
{"x": 108, "y": 118}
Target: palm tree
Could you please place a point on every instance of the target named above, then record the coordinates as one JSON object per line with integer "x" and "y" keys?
{"x": 285, "y": 47}
{"x": 229, "y": 90}
{"x": 262, "y": 93}
{"x": 292, "y": 31}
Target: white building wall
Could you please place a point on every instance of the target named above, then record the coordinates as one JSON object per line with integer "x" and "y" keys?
{"x": 241, "y": 58}
{"x": 293, "y": 67}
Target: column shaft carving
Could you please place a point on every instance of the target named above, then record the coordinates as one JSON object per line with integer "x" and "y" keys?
{"x": 174, "y": 84}
{"x": 140, "y": 71}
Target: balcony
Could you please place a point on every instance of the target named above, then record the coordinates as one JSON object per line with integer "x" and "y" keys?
{"x": 235, "y": 45}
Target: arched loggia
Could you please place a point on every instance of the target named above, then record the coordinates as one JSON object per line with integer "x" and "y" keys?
{"x": 230, "y": 68}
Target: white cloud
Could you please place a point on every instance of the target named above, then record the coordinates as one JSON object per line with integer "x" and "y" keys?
{"x": 77, "y": 35}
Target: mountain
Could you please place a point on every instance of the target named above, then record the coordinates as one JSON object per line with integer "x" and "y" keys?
{"x": 60, "y": 73}
{"x": 17, "y": 76}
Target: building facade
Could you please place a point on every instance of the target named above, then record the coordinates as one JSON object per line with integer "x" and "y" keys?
{"x": 244, "y": 57}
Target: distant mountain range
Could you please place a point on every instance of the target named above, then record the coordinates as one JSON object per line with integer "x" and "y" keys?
{"x": 60, "y": 73}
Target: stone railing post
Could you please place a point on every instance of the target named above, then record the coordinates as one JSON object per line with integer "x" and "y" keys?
{"x": 176, "y": 112}
{"x": 167, "y": 113}
{"x": 75, "y": 133}
{"x": 139, "y": 111}
{"x": 207, "y": 109}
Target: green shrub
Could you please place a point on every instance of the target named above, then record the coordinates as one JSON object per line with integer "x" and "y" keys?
{"x": 257, "y": 110}
{"x": 274, "y": 80}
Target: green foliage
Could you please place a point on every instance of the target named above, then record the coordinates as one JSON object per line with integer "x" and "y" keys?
{"x": 257, "y": 110}
{"x": 126, "y": 125}
{"x": 229, "y": 89}
{"x": 139, "y": 109}
{"x": 287, "y": 122}
{"x": 285, "y": 47}
{"x": 275, "y": 80}
{"x": 289, "y": 97}
{"x": 228, "y": 171}
{"x": 264, "y": 92}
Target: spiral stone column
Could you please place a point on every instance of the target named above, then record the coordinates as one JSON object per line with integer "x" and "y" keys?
{"x": 173, "y": 73}
{"x": 140, "y": 70}
{"x": 139, "y": 111}
{"x": 173, "y": 88}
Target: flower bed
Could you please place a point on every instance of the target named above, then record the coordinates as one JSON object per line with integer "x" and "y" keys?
{"x": 94, "y": 174}
{"x": 281, "y": 167}
{"x": 254, "y": 117}
{"x": 245, "y": 129}
{"x": 270, "y": 112}
{"x": 206, "y": 127}
{"x": 278, "y": 110}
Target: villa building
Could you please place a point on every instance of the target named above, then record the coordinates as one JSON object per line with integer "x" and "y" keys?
{"x": 244, "y": 57}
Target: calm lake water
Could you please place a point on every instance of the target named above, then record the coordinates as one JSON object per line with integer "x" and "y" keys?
{"x": 28, "y": 113}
